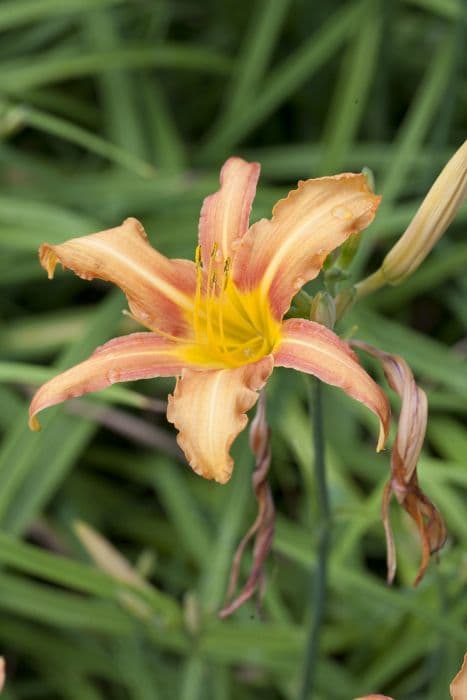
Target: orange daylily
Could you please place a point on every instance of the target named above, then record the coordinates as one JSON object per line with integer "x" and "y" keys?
{"x": 217, "y": 324}
{"x": 458, "y": 687}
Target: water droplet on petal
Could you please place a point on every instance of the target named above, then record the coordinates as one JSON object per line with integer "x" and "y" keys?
{"x": 113, "y": 376}
{"x": 342, "y": 213}
{"x": 299, "y": 282}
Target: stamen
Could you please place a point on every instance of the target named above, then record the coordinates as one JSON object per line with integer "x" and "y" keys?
{"x": 199, "y": 284}
{"x": 221, "y": 306}
{"x": 210, "y": 305}
{"x": 155, "y": 330}
{"x": 227, "y": 272}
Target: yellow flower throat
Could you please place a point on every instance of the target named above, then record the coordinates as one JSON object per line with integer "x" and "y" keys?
{"x": 231, "y": 328}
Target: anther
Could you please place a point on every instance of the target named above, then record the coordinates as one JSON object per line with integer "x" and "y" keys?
{"x": 226, "y": 272}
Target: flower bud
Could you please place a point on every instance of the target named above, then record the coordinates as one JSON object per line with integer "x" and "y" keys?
{"x": 431, "y": 220}
{"x": 344, "y": 301}
{"x": 433, "y": 217}
{"x": 323, "y": 309}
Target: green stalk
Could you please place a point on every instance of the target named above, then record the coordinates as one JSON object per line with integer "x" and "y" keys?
{"x": 318, "y": 587}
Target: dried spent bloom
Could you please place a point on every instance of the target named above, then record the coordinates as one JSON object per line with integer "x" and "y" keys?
{"x": 217, "y": 324}
{"x": 404, "y": 457}
{"x": 433, "y": 217}
{"x": 262, "y": 530}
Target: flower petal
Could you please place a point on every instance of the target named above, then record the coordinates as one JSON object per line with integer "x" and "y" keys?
{"x": 131, "y": 357}
{"x": 159, "y": 291}
{"x": 281, "y": 254}
{"x": 312, "y": 348}
{"x": 225, "y": 214}
{"x": 458, "y": 687}
{"x": 208, "y": 409}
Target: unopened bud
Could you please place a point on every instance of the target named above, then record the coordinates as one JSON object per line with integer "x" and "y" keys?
{"x": 349, "y": 251}
{"x": 431, "y": 220}
{"x": 344, "y": 301}
{"x": 323, "y": 309}
{"x": 436, "y": 212}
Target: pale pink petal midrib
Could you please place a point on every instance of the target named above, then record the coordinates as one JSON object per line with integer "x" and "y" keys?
{"x": 290, "y": 241}
{"x": 167, "y": 289}
{"x": 318, "y": 348}
{"x": 211, "y": 414}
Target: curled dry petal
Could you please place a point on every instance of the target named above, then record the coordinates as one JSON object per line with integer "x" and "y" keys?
{"x": 209, "y": 410}
{"x": 262, "y": 529}
{"x": 280, "y": 255}
{"x": 314, "y": 349}
{"x": 458, "y": 686}
{"x": 225, "y": 214}
{"x": 159, "y": 290}
{"x": 131, "y": 357}
{"x": 405, "y": 454}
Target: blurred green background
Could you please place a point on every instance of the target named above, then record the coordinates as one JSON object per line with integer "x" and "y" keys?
{"x": 111, "y": 108}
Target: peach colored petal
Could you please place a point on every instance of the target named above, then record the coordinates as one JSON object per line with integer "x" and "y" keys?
{"x": 281, "y": 254}
{"x": 375, "y": 697}
{"x": 2, "y": 672}
{"x": 458, "y": 686}
{"x": 209, "y": 410}
{"x": 225, "y": 214}
{"x": 160, "y": 291}
{"x": 131, "y": 357}
{"x": 312, "y": 348}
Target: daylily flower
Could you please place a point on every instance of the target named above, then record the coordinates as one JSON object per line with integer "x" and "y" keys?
{"x": 458, "y": 687}
{"x": 217, "y": 324}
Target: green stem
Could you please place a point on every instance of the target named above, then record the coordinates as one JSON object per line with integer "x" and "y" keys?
{"x": 370, "y": 284}
{"x": 319, "y": 580}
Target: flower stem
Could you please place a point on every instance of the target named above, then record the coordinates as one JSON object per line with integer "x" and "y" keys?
{"x": 319, "y": 579}
{"x": 370, "y": 284}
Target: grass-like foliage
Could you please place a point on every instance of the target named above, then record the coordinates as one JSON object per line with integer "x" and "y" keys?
{"x": 112, "y": 108}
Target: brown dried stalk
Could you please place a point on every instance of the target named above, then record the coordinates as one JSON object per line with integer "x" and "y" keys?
{"x": 262, "y": 529}
{"x": 405, "y": 453}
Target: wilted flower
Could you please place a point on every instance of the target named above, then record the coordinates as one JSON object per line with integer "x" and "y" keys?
{"x": 404, "y": 457}
{"x": 217, "y": 324}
